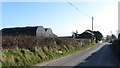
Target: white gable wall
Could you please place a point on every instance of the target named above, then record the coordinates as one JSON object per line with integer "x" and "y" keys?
{"x": 40, "y": 31}
{"x": 44, "y": 33}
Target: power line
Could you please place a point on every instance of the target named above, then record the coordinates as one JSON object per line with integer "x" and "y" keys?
{"x": 92, "y": 39}
{"x": 78, "y": 9}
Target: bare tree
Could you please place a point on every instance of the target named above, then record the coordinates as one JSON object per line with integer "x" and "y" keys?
{"x": 74, "y": 34}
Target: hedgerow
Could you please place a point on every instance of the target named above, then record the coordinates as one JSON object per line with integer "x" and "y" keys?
{"x": 28, "y": 50}
{"x": 116, "y": 47}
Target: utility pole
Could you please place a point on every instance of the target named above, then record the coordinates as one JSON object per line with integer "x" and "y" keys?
{"x": 92, "y": 29}
{"x": 111, "y": 32}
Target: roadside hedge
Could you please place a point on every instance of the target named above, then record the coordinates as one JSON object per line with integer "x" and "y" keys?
{"x": 28, "y": 50}
{"x": 30, "y": 42}
{"x": 116, "y": 47}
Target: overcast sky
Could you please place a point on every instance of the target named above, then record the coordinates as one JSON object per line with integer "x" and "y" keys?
{"x": 61, "y": 17}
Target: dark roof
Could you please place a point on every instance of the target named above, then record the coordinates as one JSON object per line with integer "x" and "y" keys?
{"x": 85, "y": 35}
{"x": 66, "y": 37}
{"x": 20, "y": 31}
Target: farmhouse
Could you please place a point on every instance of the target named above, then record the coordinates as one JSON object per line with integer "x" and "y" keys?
{"x": 29, "y": 31}
{"x": 86, "y": 35}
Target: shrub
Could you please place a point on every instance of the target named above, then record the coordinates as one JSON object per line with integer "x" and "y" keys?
{"x": 116, "y": 47}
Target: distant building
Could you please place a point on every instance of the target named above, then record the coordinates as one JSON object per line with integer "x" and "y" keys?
{"x": 86, "y": 35}
{"x": 66, "y": 37}
{"x": 29, "y": 31}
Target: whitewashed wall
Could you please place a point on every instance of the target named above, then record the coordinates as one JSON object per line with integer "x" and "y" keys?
{"x": 40, "y": 31}
{"x": 44, "y": 32}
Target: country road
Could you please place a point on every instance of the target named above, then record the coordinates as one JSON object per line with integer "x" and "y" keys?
{"x": 99, "y": 55}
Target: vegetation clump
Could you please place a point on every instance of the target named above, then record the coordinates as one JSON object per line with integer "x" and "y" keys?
{"x": 116, "y": 47}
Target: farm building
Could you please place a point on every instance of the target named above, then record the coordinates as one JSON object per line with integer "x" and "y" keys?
{"x": 29, "y": 31}
{"x": 86, "y": 35}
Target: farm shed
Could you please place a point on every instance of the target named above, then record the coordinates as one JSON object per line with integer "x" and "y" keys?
{"x": 29, "y": 31}
{"x": 86, "y": 35}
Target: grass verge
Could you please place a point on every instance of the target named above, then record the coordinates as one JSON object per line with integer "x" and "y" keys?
{"x": 26, "y": 57}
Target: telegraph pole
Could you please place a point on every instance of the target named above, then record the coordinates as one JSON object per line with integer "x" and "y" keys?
{"x": 92, "y": 29}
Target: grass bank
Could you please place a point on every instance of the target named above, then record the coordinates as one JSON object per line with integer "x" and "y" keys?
{"x": 0, "y": 58}
{"x": 29, "y": 51}
{"x": 26, "y": 57}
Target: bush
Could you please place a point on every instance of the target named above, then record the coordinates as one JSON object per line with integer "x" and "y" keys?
{"x": 116, "y": 47}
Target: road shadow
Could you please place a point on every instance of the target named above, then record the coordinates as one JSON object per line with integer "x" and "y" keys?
{"x": 102, "y": 57}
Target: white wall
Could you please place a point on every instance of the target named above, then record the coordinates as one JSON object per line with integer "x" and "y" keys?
{"x": 40, "y": 31}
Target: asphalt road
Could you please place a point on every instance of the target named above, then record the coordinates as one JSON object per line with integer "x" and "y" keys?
{"x": 100, "y": 55}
